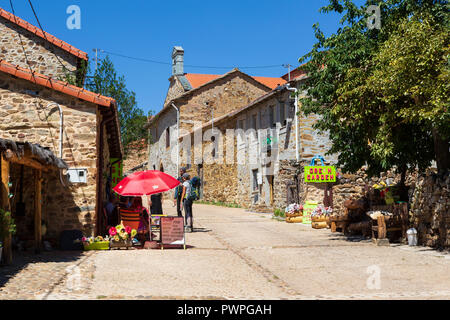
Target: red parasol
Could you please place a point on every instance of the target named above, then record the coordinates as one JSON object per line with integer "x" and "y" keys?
{"x": 145, "y": 183}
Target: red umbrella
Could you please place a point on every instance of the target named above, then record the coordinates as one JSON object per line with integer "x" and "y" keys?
{"x": 145, "y": 183}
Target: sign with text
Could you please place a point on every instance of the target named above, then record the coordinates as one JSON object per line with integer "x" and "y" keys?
{"x": 319, "y": 174}
{"x": 172, "y": 230}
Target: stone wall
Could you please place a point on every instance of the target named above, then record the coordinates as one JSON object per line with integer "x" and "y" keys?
{"x": 38, "y": 50}
{"x": 430, "y": 209}
{"x": 175, "y": 90}
{"x": 137, "y": 155}
{"x": 354, "y": 186}
{"x": 26, "y": 117}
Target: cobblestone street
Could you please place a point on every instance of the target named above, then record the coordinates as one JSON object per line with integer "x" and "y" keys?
{"x": 235, "y": 254}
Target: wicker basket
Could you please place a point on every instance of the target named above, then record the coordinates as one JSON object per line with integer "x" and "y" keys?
{"x": 295, "y": 214}
{"x": 321, "y": 218}
{"x": 121, "y": 244}
{"x": 319, "y": 225}
{"x": 294, "y": 219}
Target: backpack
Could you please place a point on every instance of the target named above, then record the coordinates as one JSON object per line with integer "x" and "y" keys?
{"x": 179, "y": 189}
{"x": 195, "y": 189}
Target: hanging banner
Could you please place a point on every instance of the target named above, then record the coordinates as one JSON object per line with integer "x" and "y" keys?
{"x": 116, "y": 171}
{"x": 320, "y": 174}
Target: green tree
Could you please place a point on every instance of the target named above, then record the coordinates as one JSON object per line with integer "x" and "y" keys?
{"x": 131, "y": 118}
{"x": 351, "y": 86}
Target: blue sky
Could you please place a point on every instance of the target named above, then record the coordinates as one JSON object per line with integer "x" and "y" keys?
{"x": 212, "y": 33}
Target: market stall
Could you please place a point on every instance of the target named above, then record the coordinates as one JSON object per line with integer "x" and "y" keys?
{"x": 145, "y": 183}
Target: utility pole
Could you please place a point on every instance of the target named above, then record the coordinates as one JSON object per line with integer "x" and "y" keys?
{"x": 289, "y": 70}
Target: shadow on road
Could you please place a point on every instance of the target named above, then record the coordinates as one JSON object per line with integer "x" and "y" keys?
{"x": 22, "y": 259}
{"x": 201, "y": 230}
{"x": 342, "y": 237}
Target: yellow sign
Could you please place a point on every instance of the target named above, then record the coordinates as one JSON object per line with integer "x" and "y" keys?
{"x": 319, "y": 174}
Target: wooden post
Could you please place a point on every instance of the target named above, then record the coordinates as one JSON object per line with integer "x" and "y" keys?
{"x": 333, "y": 226}
{"x": 38, "y": 210}
{"x": 381, "y": 227}
{"x": 404, "y": 218}
{"x": 7, "y": 248}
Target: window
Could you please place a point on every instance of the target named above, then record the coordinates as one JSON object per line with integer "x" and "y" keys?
{"x": 213, "y": 152}
{"x": 271, "y": 116}
{"x": 167, "y": 137}
{"x": 254, "y": 121}
{"x": 255, "y": 179}
{"x": 241, "y": 124}
{"x": 282, "y": 114}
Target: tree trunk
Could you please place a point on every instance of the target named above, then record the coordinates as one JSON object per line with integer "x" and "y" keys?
{"x": 403, "y": 175}
{"x": 441, "y": 151}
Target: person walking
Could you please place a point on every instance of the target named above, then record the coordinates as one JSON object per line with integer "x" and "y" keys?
{"x": 177, "y": 200}
{"x": 156, "y": 202}
{"x": 112, "y": 212}
{"x": 187, "y": 202}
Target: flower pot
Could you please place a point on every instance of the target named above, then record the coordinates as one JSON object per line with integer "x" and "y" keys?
{"x": 320, "y": 218}
{"x": 294, "y": 219}
{"x": 319, "y": 225}
{"x": 102, "y": 245}
{"x": 120, "y": 244}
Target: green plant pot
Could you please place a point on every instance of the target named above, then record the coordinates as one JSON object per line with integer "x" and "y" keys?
{"x": 103, "y": 245}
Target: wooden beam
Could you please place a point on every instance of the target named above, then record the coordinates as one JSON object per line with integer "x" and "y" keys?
{"x": 7, "y": 248}
{"x": 28, "y": 162}
{"x": 38, "y": 210}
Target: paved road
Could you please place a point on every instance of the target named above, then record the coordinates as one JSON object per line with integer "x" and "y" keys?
{"x": 236, "y": 254}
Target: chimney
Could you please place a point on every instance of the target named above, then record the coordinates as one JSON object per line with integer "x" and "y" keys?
{"x": 178, "y": 61}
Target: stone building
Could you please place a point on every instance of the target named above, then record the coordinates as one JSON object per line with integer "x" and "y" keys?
{"x": 45, "y": 53}
{"x": 252, "y": 156}
{"x": 78, "y": 126}
{"x": 198, "y": 98}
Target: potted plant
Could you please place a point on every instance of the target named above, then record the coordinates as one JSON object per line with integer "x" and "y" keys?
{"x": 320, "y": 217}
{"x": 120, "y": 236}
{"x": 7, "y": 227}
{"x": 97, "y": 243}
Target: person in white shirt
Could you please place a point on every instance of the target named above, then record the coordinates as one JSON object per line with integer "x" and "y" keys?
{"x": 187, "y": 203}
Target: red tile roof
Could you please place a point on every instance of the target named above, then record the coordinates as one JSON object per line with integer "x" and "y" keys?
{"x": 296, "y": 74}
{"x": 50, "y": 38}
{"x": 57, "y": 85}
{"x": 196, "y": 80}
{"x": 272, "y": 83}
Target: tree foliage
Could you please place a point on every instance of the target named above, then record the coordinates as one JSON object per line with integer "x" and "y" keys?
{"x": 131, "y": 118}
{"x": 382, "y": 93}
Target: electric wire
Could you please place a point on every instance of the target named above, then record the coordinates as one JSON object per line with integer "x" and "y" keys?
{"x": 20, "y": 39}
{"x": 45, "y": 36}
{"x": 187, "y": 65}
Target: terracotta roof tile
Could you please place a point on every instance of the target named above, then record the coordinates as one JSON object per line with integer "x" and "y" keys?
{"x": 270, "y": 82}
{"x": 196, "y": 80}
{"x": 57, "y": 85}
{"x": 52, "y": 39}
